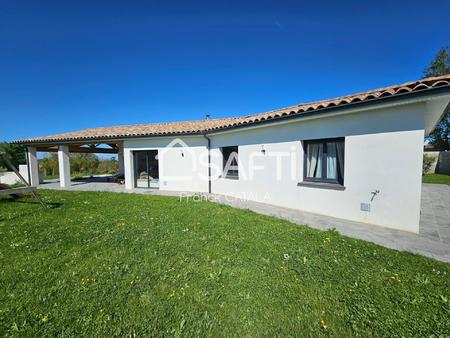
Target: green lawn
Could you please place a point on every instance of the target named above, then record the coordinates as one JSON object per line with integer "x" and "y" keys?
{"x": 105, "y": 264}
{"x": 436, "y": 178}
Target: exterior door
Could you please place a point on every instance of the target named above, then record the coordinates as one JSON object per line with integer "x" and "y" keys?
{"x": 146, "y": 169}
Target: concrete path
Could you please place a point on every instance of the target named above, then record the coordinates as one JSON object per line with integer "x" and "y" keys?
{"x": 435, "y": 216}
{"x": 433, "y": 240}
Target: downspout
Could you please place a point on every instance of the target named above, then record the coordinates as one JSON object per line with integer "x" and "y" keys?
{"x": 209, "y": 161}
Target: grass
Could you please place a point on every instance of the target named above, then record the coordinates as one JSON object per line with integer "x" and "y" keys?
{"x": 105, "y": 264}
{"x": 436, "y": 178}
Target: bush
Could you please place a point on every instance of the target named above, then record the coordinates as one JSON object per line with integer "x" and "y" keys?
{"x": 16, "y": 154}
{"x": 428, "y": 161}
{"x": 80, "y": 165}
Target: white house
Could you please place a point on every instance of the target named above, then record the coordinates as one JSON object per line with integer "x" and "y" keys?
{"x": 357, "y": 157}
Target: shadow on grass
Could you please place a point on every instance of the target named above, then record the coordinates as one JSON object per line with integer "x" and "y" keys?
{"x": 50, "y": 205}
{"x": 28, "y": 212}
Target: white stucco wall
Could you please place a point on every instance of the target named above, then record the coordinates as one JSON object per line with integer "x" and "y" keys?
{"x": 383, "y": 151}
{"x": 10, "y": 177}
{"x": 180, "y": 164}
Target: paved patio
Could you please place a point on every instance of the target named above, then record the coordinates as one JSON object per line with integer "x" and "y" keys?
{"x": 432, "y": 241}
{"x": 435, "y": 217}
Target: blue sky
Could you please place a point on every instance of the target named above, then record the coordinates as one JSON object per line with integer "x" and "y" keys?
{"x": 70, "y": 65}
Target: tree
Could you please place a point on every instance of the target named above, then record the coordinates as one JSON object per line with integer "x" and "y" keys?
{"x": 440, "y": 65}
{"x": 49, "y": 165}
{"x": 80, "y": 165}
{"x": 16, "y": 154}
{"x": 439, "y": 137}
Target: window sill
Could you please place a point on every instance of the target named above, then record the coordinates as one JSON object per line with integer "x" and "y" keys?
{"x": 321, "y": 185}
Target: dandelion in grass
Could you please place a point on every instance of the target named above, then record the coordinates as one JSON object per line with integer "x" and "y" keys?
{"x": 84, "y": 281}
{"x": 324, "y": 325}
{"x": 395, "y": 277}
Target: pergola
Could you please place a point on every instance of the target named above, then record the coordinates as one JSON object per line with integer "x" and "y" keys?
{"x": 63, "y": 150}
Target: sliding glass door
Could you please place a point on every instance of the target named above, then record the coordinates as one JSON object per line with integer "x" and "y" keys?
{"x": 146, "y": 170}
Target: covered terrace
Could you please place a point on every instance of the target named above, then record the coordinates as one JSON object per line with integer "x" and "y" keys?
{"x": 63, "y": 150}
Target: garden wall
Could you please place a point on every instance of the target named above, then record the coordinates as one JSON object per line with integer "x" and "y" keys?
{"x": 10, "y": 177}
{"x": 441, "y": 164}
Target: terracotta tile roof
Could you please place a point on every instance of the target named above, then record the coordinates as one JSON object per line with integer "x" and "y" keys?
{"x": 201, "y": 126}
{"x": 117, "y": 132}
{"x": 414, "y": 86}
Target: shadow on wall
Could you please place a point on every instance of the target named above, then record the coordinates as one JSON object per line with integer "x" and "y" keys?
{"x": 441, "y": 164}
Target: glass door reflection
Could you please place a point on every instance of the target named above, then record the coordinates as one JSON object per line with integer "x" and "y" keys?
{"x": 146, "y": 169}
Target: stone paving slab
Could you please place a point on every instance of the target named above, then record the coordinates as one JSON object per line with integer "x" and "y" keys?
{"x": 435, "y": 212}
{"x": 433, "y": 240}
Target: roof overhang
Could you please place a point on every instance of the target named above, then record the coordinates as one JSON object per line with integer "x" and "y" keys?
{"x": 437, "y": 100}
{"x": 84, "y": 148}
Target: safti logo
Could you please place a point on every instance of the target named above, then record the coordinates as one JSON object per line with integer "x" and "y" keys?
{"x": 182, "y": 162}
{"x": 180, "y": 153}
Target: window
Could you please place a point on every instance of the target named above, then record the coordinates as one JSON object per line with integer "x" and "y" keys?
{"x": 230, "y": 162}
{"x": 324, "y": 160}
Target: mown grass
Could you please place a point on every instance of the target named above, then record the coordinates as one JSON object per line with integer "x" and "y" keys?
{"x": 105, "y": 264}
{"x": 436, "y": 178}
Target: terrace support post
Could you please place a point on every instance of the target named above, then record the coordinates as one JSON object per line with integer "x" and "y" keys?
{"x": 64, "y": 166}
{"x": 129, "y": 169}
{"x": 33, "y": 167}
{"x": 121, "y": 160}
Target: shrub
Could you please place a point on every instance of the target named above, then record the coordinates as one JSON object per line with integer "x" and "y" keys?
{"x": 16, "y": 154}
{"x": 428, "y": 161}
